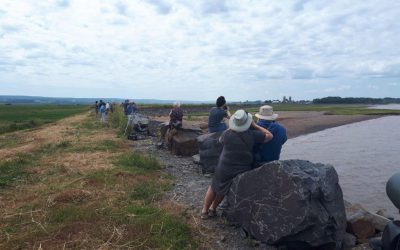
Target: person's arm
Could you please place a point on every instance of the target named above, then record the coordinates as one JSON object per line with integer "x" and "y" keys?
{"x": 268, "y": 135}
{"x": 228, "y": 114}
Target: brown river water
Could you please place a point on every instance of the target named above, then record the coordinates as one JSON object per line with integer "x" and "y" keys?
{"x": 365, "y": 154}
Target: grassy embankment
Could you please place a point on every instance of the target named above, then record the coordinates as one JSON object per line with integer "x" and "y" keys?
{"x": 83, "y": 187}
{"x": 18, "y": 117}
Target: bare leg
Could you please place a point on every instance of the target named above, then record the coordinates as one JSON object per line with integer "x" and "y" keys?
{"x": 208, "y": 199}
{"x": 217, "y": 200}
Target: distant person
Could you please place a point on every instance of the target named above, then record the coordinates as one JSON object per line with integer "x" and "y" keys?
{"x": 107, "y": 107}
{"x": 270, "y": 151}
{"x": 130, "y": 108}
{"x": 217, "y": 114}
{"x": 112, "y": 107}
{"x": 103, "y": 114}
{"x": 236, "y": 157}
{"x": 176, "y": 116}
{"x": 96, "y": 108}
{"x": 125, "y": 106}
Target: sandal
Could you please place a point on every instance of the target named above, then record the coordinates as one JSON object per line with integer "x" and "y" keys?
{"x": 204, "y": 215}
{"x": 212, "y": 213}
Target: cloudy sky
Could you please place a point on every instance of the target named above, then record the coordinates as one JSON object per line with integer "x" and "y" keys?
{"x": 198, "y": 50}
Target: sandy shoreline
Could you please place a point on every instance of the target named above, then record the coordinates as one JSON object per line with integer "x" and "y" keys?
{"x": 296, "y": 122}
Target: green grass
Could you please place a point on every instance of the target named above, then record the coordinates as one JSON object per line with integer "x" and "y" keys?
{"x": 159, "y": 230}
{"x": 18, "y": 169}
{"x": 148, "y": 191}
{"x": 19, "y": 117}
{"x": 137, "y": 163}
{"x": 15, "y": 170}
{"x": 105, "y": 177}
{"x": 71, "y": 213}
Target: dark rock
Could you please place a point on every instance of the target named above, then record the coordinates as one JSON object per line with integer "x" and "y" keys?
{"x": 292, "y": 203}
{"x": 209, "y": 150}
{"x": 349, "y": 240}
{"x": 183, "y": 141}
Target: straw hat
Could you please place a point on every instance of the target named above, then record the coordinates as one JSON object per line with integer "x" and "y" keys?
{"x": 266, "y": 113}
{"x": 240, "y": 121}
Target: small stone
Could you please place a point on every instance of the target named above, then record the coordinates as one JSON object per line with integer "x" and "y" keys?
{"x": 364, "y": 246}
{"x": 349, "y": 240}
{"x": 243, "y": 233}
{"x": 264, "y": 246}
{"x": 196, "y": 159}
{"x": 222, "y": 239}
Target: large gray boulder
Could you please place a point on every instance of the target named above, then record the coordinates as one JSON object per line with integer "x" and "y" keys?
{"x": 182, "y": 141}
{"x": 209, "y": 150}
{"x": 293, "y": 203}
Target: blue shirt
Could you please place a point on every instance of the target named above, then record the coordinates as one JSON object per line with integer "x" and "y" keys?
{"x": 271, "y": 150}
{"x": 102, "y": 109}
{"x": 216, "y": 116}
{"x": 130, "y": 109}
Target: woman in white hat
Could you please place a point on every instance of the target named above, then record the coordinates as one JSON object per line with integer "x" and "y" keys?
{"x": 236, "y": 157}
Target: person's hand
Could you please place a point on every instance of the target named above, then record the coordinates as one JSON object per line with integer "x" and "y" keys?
{"x": 253, "y": 124}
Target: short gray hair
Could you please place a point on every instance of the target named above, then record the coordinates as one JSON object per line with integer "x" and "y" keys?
{"x": 177, "y": 104}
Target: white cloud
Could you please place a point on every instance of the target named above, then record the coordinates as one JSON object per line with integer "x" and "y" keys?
{"x": 200, "y": 49}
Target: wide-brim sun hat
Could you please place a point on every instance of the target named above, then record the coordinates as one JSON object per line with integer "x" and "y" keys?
{"x": 240, "y": 121}
{"x": 266, "y": 113}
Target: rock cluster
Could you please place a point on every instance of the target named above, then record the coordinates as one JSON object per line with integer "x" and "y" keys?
{"x": 294, "y": 203}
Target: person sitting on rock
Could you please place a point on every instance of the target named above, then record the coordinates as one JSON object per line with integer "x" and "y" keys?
{"x": 236, "y": 157}
{"x": 270, "y": 151}
{"x": 175, "y": 122}
{"x": 217, "y": 114}
{"x": 175, "y": 116}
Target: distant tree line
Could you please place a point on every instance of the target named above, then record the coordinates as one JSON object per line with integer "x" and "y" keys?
{"x": 355, "y": 100}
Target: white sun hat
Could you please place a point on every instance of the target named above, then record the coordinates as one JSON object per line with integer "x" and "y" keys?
{"x": 266, "y": 113}
{"x": 240, "y": 121}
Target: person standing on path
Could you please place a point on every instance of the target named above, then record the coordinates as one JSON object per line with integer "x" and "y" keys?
{"x": 103, "y": 114}
{"x": 217, "y": 114}
{"x": 236, "y": 157}
{"x": 96, "y": 108}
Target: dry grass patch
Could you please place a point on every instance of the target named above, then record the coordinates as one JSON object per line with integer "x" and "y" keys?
{"x": 90, "y": 192}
